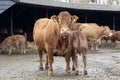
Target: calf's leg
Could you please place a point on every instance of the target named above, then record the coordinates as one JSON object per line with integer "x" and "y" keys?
{"x": 10, "y": 50}
{"x": 67, "y": 59}
{"x": 97, "y": 45}
{"x": 92, "y": 46}
{"x": 85, "y": 61}
{"x": 75, "y": 60}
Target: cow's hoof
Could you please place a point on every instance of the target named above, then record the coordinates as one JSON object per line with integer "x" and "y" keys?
{"x": 85, "y": 73}
{"x": 97, "y": 50}
{"x": 46, "y": 67}
{"x": 76, "y": 72}
{"x": 50, "y": 73}
{"x": 68, "y": 73}
{"x": 73, "y": 69}
{"x": 41, "y": 68}
{"x": 92, "y": 49}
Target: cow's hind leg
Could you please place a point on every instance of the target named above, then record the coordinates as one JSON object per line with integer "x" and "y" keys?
{"x": 46, "y": 64}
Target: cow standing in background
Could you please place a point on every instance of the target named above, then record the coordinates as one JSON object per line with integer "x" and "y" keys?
{"x": 13, "y": 41}
{"x": 50, "y": 35}
{"x": 94, "y": 34}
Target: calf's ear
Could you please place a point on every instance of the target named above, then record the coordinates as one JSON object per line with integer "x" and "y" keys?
{"x": 54, "y": 18}
{"x": 74, "y": 18}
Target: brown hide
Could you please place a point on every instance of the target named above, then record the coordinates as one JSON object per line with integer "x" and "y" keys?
{"x": 77, "y": 26}
{"x": 79, "y": 40}
{"x": 46, "y": 31}
{"x": 48, "y": 34}
{"x": 13, "y": 41}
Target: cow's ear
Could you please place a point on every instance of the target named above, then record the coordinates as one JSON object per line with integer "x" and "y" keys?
{"x": 54, "y": 18}
{"x": 74, "y": 18}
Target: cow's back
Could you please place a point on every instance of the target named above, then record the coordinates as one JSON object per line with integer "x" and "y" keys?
{"x": 45, "y": 30}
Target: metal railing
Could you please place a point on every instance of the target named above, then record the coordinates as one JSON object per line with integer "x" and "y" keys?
{"x": 99, "y": 2}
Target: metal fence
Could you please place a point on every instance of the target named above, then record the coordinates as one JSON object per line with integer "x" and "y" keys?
{"x": 99, "y": 2}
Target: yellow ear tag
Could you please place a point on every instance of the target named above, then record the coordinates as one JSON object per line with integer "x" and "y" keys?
{"x": 74, "y": 20}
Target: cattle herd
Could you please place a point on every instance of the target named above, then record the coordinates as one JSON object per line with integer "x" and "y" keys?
{"x": 62, "y": 35}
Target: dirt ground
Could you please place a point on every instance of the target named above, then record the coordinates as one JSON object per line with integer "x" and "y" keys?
{"x": 102, "y": 65}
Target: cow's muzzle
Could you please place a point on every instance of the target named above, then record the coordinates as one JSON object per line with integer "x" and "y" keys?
{"x": 64, "y": 32}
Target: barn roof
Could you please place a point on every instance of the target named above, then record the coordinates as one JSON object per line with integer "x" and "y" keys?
{"x": 5, "y": 4}
{"x": 82, "y": 6}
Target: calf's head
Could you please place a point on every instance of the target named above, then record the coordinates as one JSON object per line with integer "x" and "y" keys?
{"x": 64, "y": 20}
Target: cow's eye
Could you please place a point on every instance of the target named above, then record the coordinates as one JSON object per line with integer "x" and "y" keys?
{"x": 62, "y": 30}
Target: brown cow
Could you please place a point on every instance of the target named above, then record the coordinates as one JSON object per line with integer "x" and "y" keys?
{"x": 49, "y": 34}
{"x": 94, "y": 34}
{"x": 13, "y": 41}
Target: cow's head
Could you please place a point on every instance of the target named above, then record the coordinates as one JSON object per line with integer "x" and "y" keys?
{"x": 64, "y": 19}
{"x": 107, "y": 32}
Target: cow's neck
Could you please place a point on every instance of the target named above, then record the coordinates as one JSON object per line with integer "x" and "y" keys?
{"x": 62, "y": 46}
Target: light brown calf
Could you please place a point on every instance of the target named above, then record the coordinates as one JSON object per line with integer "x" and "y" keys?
{"x": 13, "y": 41}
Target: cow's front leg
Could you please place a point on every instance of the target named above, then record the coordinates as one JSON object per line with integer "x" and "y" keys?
{"x": 50, "y": 62}
{"x": 40, "y": 57}
{"x": 97, "y": 45}
{"x": 92, "y": 46}
{"x": 67, "y": 59}
{"x": 49, "y": 54}
{"x": 46, "y": 64}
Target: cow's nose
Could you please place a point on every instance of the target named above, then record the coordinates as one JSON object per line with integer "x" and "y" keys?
{"x": 65, "y": 30}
